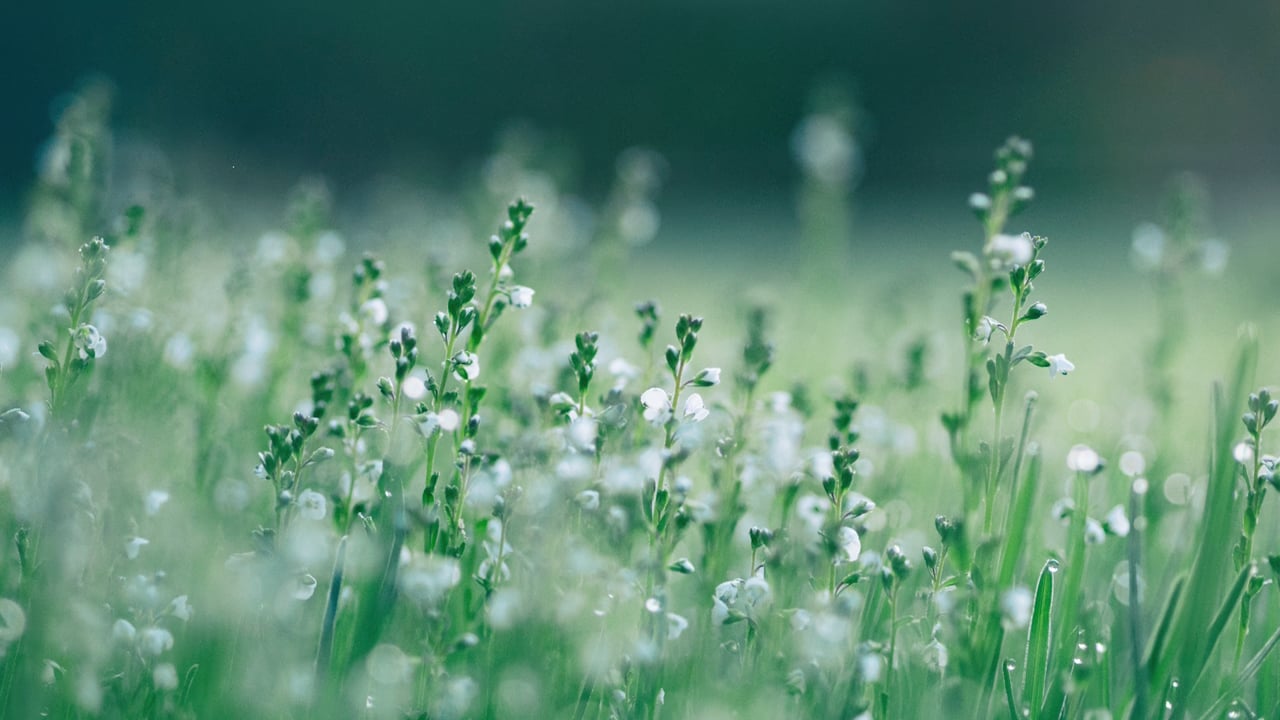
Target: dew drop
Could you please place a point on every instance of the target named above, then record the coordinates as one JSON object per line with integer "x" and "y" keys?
{"x": 1053, "y": 565}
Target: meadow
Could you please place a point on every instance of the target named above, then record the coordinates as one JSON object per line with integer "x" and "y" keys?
{"x": 517, "y": 458}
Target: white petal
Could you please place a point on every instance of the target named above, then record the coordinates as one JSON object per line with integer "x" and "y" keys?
{"x": 655, "y": 398}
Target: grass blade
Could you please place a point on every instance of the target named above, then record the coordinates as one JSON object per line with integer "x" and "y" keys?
{"x": 1250, "y": 669}
{"x": 1216, "y": 536}
{"x": 1020, "y": 518}
{"x": 1134, "y": 549}
{"x": 1219, "y": 623}
{"x": 1008, "y": 690}
{"x": 1039, "y": 638}
{"x": 1155, "y": 649}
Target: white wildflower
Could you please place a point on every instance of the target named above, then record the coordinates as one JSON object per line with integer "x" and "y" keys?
{"x": 13, "y": 622}
{"x": 1117, "y": 522}
{"x": 374, "y": 311}
{"x": 1016, "y": 604}
{"x": 622, "y": 371}
{"x": 849, "y": 543}
{"x": 304, "y": 586}
{"x": 180, "y": 608}
{"x": 414, "y": 387}
{"x": 1147, "y": 251}
{"x": 155, "y": 641}
{"x": 466, "y": 366}
{"x": 656, "y": 404}
{"x": 312, "y": 505}
{"x": 133, "y": 546}
{"x": 1093, "y": 532}
{"x": 708, "y": 377}
{"x": 89, "y": 342}
{"x": 521, "y": 296}
{"x": 589, "y": 500}
{"x": 986, "y": 326}
{"x": 694, "y": 408}
{"x": 676, "y": 624}
{"x": 1060, "y": 365}
{"x": 124, "y": 632}
{"x": 179, "y": 351}
{"x": 155, "y": 500}
{"x": 1007, "y": 251}
{"x": 448, "y": 420}
{"x": 1083, "y": 459}
{"x": 165, "y": 676}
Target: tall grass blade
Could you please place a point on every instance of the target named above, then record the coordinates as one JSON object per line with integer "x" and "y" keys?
{"x": 1039, "y": 638}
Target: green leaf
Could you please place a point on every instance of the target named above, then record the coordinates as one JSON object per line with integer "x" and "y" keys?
{"x": 1159, "y": 638}
{"x": 1038, "y": 359}
{"x": 48, "y": 351}
{"x": 1246, "y": 674}
{"x": 1008, "y": 691}
{"x": 1039, "y": 638}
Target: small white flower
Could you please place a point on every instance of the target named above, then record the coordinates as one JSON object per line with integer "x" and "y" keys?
{"x": 521, "y": 296}
{"x": 656, "y": 404}
{"x": 719, "y": 612}
{"x": 1010, "y": 250}
{"x": 133, "y": 546}
{"x": 304, "y": 587}
{"x": 979, "y": 201}
{"x": 1016, "y": 606}
{"x": 448, "y": 419}
{"x": 124, "y": 632}
{"x": 1060, "y": 365}
{"x": 1082, "y": 459}
{"x": 1116, "y": 522}
{"x": 756, "y": 593}
{"x": 849, "y": 543}
{"x": 89, "y": 342}
{"x": 986, "y": 326}
{"x": 179, "y": 351}
{"x": 466, "y": 366}
{"x": 375, "y": 311}
{"x": 622, "y": 371}
{"x": 155, "y": 500}
{"x": 582, "y": 433}
{"x": 1148, "y": 249}
{"x": 312, "y": 505}
{"x": 589, "y": 500}
{"x": 694, "y": 408}
{"x": 935, "y": 656}
{"x": 155, "y": 641}
{"x": 165, "y": 676}
{"x": 801, "y": 620}
{"x": 180, "y": 608}
{"x": 414, "y": 388}
{"x": 708, "y": 377}
{"x": 676, "y": 625}
{"x": 1093, "y": 532}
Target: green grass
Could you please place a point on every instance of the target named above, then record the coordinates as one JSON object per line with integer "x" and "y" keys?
{"x": 488, "y": 512}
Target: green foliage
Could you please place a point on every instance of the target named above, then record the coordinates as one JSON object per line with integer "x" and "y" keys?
{"x": 281, "y": 499}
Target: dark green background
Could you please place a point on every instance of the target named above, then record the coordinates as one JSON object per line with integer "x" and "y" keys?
{"x": 1120, "y": 94}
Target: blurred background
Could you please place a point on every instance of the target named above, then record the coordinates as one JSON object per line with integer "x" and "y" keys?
{"x": 254, "y": 95}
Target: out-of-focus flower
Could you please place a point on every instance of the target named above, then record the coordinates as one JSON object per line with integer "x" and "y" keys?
{"x": 521, "y": 296}
{"x": 1060, "y": 365}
